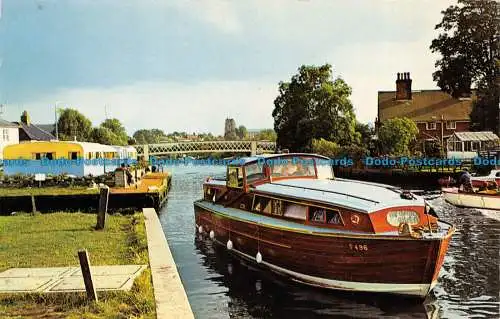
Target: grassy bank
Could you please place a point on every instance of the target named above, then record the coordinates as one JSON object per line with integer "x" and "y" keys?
{"x": 52, "y": 240}
{"x": 27, "y": 191}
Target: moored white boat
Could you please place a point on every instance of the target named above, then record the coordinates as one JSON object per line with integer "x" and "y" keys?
{"x": 484, "y": 200}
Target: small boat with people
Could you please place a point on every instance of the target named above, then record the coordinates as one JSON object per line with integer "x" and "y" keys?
{"x": 474, "y": 192}
{"x": 484, "y": 199}
{"x": 288, "y": 213}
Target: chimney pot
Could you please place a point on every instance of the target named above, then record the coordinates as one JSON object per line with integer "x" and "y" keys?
{"x": 403, "y": 86}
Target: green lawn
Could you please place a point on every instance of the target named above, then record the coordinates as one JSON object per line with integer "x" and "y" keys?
{"x": 4, "y": 191}
{"x": 51, "y": 240}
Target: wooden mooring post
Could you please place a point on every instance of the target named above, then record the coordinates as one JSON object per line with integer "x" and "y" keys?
{"x": 87, "y": 275}
{"x": 33, "y": 205}
{"x": 103, "y": 207}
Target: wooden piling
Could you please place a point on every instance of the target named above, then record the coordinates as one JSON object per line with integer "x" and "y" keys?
{"x": 33, "y": 205}
{"x": 103, "y": 207}
{"x": 87, "y": 275}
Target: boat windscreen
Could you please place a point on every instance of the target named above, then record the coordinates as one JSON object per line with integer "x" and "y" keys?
{"x": 296, "y": 166}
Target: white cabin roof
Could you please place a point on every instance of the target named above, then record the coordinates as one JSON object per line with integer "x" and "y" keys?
{"x": 344, "y": 193}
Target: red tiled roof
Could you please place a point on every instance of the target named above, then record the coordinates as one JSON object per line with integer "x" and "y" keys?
{"x": 425, "y": 105}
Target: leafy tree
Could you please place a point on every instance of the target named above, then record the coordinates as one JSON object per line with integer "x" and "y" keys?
{"x": 241, "y": 132}
{"x": 103, "y": 135}
{"x": 73, "y": 124}
{"x": 153, "y": 136}
{"x": 267, "y": 135}
{"x": 396, "y": 135}
{"x": 366, "y": 132}
{"x": 469, "y": 47}
{"x": 116, "y": 127}
{"x": 325, "y": 148}
{"x": 312, "y": 106}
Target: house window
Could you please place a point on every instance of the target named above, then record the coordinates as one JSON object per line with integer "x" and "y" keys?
{"x": 73, "y": 155}
{"x": 451, "y": 125}
{"x": 37, "y": 156}
{"x": 6, "y": 134}
{"x": 429, "y": 126}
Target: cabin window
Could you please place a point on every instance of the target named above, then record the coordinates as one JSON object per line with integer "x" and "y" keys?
{"x": 498, "y": 174}
{"x": 323, "y": 215}
{"x": 317, "y": 215}
{"x": 324, "y": 170}
{"x": 295, "y": 211}
{"x": 235, "y": 177}
{"x": 277, "y": 206}
{"x": 254, "y": 172}
{"x": 333, "y": 217}
{"x": 40, "y": 156}
{"x": 297, "y": 166}
{"x": 262, "y": 205}
{"x": 73, "y": 155}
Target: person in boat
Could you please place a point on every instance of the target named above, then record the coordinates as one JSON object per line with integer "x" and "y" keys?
{"x": 465, "y": 181}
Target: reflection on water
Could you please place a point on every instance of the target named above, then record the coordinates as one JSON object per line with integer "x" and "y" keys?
{"x": 222, "y": 286}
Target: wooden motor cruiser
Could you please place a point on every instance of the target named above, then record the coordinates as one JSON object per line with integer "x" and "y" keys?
{"x": 288, "y": 214}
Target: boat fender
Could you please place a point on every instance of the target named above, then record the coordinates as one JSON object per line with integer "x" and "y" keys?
{"x": 258, "y": 257}
{"x": 212, "y": 234}
{"x": 229, "y": 245}
{"x": 200, "y": 229}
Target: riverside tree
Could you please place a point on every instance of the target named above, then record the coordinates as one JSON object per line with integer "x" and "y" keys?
{"x": 119, "y": 136}
{"x": 469, "y": 48}
{"x": 396, "y": 135}
{"x": 153, "y": 136}
{"x": 73, "y": 124}
{"x": 313, "y": 105}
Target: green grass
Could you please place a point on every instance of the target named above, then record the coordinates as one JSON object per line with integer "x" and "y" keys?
{"x": 47, "y": 191}
{"x": 52, "y": 240}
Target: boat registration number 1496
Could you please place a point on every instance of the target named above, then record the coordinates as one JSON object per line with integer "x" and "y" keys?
{"x": 358, "y": 247}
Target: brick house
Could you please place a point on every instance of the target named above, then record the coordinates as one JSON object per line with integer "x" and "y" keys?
{"x": 437, "y": 114}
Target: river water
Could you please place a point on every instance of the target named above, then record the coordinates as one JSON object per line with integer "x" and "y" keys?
{"x": 219, "y": 285}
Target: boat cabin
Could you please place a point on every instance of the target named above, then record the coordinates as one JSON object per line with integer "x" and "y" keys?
{"x": 301, "y": 188}
{"x": 254, "y": 171}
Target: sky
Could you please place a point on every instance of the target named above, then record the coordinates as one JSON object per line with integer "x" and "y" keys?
{"x": 187, "y": 65}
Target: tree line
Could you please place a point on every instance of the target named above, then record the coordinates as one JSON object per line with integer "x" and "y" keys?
{"x": 74, "y": 125}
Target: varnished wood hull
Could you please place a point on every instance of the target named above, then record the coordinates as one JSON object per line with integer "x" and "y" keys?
{"x": 396, "y": 265}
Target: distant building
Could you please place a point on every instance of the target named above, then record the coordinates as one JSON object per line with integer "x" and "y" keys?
{"x": 471, "y": 144}
{"x": 437, "y": 114}
{"x": 31, "y": 132}
{"x": 230, "y": 128}
{"x": 9, "y": 135}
